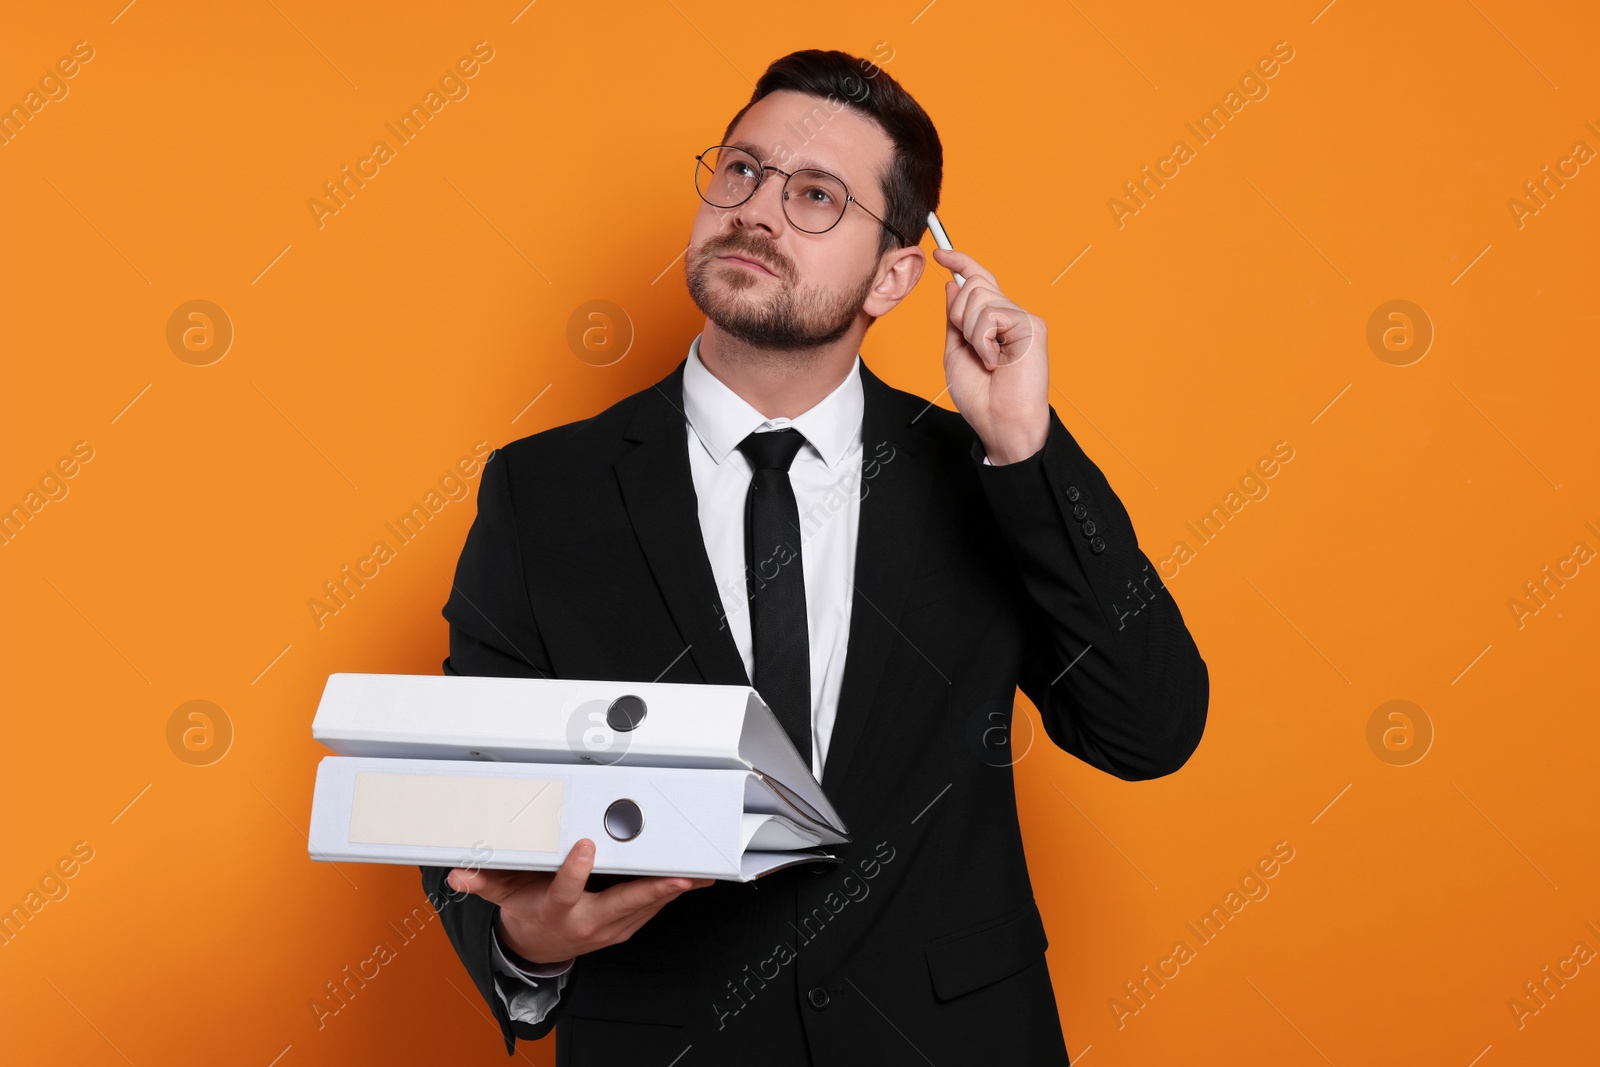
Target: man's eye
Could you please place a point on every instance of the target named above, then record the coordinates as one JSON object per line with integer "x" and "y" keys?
{"x": 817, "y": 195}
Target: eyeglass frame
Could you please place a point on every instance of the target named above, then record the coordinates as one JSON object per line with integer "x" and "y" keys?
{"x": 849, "y": 197}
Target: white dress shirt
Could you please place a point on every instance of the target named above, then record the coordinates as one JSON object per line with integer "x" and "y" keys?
{"x": 826, "y": 475}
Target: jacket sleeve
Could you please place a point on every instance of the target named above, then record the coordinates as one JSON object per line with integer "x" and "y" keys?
{"x": 492, "y": 633}
{"x": 1108, "y": 660}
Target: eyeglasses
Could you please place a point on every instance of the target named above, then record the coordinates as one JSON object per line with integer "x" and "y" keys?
{"x": 813, "y": 200}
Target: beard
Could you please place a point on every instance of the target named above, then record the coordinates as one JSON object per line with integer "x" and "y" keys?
{"x": 792, "y": 318}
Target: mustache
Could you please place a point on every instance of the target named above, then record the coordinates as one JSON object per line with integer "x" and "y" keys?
{"x": 749, "y": 248}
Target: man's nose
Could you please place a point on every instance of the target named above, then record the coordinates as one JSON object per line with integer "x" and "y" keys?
{"x": 764, "y": 209}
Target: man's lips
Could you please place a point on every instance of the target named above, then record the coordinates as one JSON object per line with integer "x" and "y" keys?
{"x": 756, "y": 263}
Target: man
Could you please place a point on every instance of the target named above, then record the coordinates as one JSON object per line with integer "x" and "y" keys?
{"x": 886, "y": 573}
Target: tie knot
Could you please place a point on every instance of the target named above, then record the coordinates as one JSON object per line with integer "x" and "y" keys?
{"x": 774, "y": 449}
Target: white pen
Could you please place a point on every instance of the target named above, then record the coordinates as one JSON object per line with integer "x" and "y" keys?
{"x": 942, "y": 239}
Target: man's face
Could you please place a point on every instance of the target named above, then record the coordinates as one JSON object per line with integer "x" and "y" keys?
{"x": 814, "y": 285}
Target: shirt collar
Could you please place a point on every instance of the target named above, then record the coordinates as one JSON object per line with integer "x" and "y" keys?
{"x": 722, "y": 418}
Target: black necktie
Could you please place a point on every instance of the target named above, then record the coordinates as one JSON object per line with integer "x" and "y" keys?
{"x": 776, "y": 583}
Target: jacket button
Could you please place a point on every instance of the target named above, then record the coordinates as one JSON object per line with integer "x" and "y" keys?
{"x": 1072, "y": 493}
{"x": 818, "y": 997}
{"x": 1088, "y": 528}
{"x": 1097, "y": 545}
{"x": 1080, "y": 512}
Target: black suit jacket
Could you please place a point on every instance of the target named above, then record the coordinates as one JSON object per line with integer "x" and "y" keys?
{"x": 586, "y": 560}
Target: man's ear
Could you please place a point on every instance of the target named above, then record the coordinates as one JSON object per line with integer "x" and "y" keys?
{"x": 897, "y": 276}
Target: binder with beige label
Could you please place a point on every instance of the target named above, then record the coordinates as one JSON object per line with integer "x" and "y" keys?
{"x": 725, "y": 823}
{"x": 579, "y": 722}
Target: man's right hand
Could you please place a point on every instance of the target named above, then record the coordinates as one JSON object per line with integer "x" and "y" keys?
{"x": 548, "y": 918}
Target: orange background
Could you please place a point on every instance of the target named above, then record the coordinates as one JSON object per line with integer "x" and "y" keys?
{"x": 1228, "y": 314}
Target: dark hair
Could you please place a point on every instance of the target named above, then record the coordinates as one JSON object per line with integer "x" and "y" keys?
{"x": 916, "y": 168}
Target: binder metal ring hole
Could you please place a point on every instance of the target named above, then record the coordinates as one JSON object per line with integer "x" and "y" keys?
{"x": 624, "y": 820}
{"x": 625, "y": 713}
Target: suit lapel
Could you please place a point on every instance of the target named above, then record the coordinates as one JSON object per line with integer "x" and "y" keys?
{"x": 658, "y": 491}
{"x": 896, "y": 491}
{"x": 898, "y": 466}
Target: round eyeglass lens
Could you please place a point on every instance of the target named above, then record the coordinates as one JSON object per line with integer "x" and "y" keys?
{"x": 726, "y": 176}
{"x": 813, "y": 200}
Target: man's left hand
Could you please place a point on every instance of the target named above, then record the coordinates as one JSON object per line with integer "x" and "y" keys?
{"x": 996, "y": 362}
